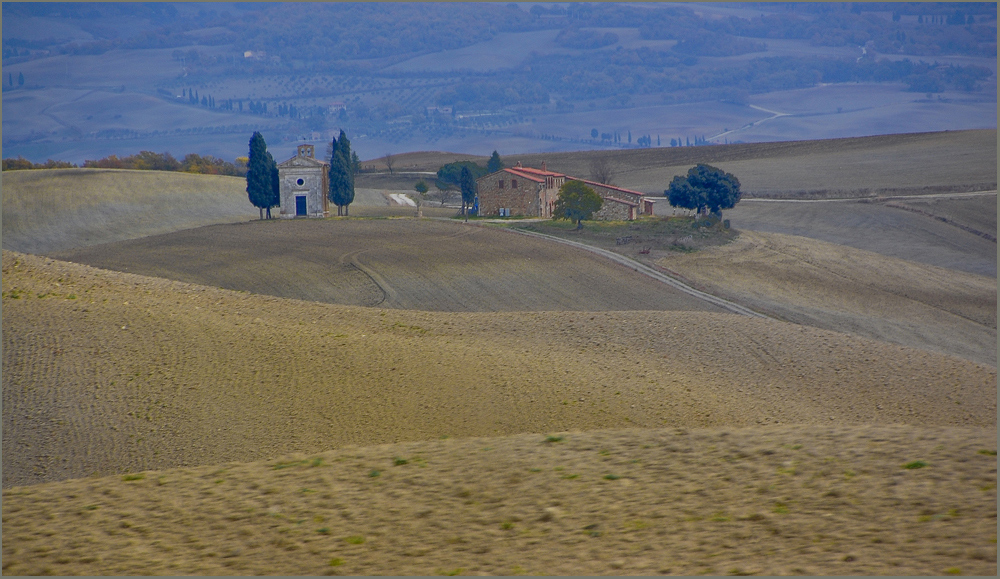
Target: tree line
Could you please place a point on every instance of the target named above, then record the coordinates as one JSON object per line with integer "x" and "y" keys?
{"x": 143, "y": 161}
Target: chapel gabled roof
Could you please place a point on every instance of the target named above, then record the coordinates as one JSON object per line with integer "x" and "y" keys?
{"x": 300, "y": 161}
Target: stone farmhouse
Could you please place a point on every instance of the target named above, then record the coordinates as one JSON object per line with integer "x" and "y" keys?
{"x": 526, "y": 191}
{"x": 304, "y": 185}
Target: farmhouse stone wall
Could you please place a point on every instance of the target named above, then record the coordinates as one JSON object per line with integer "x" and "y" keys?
{"x": 530, "y": 198}
{"x": 537, "y": 191}
{"x": 614, "y": 210}
{"x": 619, "y": 204}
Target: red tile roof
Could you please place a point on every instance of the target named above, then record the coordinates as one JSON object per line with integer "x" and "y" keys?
{"x": 589, "y": 182}
{"x": 519, "y": 172}
{"x": 539, "y": 172}
{"x": 622, "y": 201}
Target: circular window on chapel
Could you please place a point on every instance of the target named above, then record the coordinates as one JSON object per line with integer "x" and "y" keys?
{"x": 300, "y": 182}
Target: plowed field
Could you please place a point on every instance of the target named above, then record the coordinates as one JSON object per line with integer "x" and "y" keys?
{"x": 394, "y": 396}
{"x": 887, "y": 230}
{"x": 400, "y": 264}
{"x": 850, "y": 290}
{"x": 108, "y": 372}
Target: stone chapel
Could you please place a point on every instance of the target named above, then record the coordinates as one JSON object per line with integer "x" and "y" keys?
{"x": 304, "y": 185}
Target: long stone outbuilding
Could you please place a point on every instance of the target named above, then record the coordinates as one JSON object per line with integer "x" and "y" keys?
{"x": 530, "y": 192}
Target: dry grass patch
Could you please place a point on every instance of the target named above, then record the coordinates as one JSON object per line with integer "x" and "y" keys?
{"x": 764, "y": 500}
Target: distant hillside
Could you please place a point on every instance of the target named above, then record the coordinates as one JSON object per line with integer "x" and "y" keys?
{"x": 910, "y": 163}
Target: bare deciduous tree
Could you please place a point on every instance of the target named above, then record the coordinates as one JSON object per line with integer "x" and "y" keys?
{"x": 389, "y": 160}
{"x": 442, "y": 195}
{"x": 601, "y": 170}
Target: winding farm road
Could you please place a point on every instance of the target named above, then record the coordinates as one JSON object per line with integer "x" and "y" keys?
{"x": 646, "y": 270}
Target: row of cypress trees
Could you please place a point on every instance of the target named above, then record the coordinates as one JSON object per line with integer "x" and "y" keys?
{"x": 263, "y": 185}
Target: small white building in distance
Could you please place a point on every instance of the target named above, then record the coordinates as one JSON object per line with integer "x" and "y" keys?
{"x": 304, "y": 185}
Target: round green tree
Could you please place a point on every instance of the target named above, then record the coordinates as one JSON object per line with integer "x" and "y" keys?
{"x": 705, "y": 188}
{"x": 576, "y": 202}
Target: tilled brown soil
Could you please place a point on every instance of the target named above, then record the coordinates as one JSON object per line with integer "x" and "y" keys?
{"x": 815, "y": 499}
{"x": 106, "y": 372}
{"x": 851, "y": 290}
{"x": 394, "y": 263}
{"x": 875, "y": 227}
{"x": 974, "y": 214}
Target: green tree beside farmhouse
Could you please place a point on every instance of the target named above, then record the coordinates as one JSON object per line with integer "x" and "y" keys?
{"x": 494, "y": 164}
{"x": 341, "y": 175}
{"x": 450, "y": 175}
{"x": 705, "y": 188}
{"x": 261, "y": 184}
{"x": 576, "y": 202}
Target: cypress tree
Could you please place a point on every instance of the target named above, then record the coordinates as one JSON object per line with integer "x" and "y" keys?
{"x": 341, "y": 181}
{"x": 468, "y": 185}
{"x": 20, "y": 79}
{"x": 274, "y": 192}
{"x": 344, "y": 147}
{"x": 494, "y": 164}
{"x": 259, "y": 177}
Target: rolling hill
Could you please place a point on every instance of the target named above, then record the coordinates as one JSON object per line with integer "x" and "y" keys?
{"x": 382, "y": 395}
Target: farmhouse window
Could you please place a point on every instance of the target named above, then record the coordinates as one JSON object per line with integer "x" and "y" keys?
{"x": 513, "y": 183}
{"x": 500, "y": 184}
